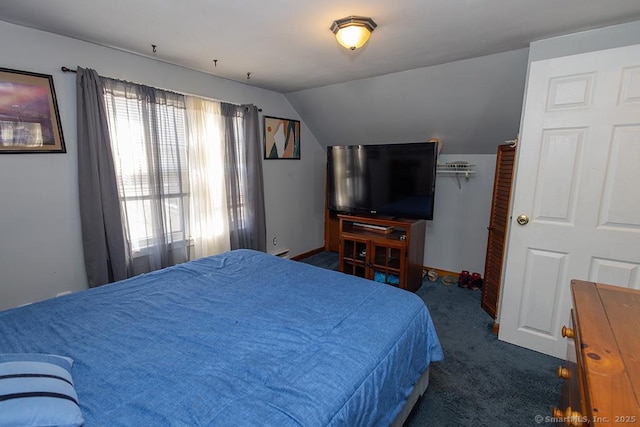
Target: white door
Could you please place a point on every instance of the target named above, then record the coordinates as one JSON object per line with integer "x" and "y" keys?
{"x": 578, "y": 182}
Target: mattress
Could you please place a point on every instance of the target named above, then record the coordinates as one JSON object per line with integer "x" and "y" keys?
{"x": 241, "y": 338}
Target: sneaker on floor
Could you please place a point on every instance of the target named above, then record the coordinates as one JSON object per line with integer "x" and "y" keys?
{"x": 463, "y": 279}
{"x": 475, "y": 281}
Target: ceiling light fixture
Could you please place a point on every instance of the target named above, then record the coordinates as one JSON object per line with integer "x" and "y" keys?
{"x": 354, "y": 31}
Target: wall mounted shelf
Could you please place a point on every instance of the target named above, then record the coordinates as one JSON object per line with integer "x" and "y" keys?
{"x": 457, "y": 169}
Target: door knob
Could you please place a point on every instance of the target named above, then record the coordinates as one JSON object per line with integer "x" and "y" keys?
{"x": 522, "y": 219}
{"x": 567, "y": 332}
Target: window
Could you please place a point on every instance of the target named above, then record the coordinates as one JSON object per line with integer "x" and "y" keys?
{"x": 163, "y": 177}
{"x": 149, "y": 141}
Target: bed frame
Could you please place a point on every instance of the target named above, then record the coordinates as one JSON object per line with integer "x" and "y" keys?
{"x": 418, "y": 390}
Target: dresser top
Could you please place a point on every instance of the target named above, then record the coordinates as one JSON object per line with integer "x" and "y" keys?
{"x": 608, "y": 331}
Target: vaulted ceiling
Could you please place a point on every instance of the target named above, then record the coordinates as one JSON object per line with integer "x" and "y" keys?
{"x": 287, "y": 46}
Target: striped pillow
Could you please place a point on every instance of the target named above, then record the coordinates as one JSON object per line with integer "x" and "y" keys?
{"x": 37, "y": 390}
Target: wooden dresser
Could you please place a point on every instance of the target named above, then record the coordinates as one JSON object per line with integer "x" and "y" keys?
{"x": 602, "y": 375}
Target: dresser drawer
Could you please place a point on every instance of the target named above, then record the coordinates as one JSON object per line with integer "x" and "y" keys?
{"x": 572, "y": 408}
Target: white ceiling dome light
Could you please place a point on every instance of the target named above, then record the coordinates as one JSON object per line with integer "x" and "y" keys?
{"x": 353, "y": 32}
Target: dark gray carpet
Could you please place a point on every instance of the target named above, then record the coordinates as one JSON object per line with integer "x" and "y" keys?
{"x": 482, "y": 381}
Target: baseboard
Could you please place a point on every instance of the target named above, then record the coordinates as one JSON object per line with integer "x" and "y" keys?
{"x": 307, "y": 254}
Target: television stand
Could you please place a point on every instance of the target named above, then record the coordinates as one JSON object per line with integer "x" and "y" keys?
{"x": 385, "y": 250}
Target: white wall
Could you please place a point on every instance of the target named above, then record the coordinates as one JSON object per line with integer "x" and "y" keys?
{"x": 586, "y": 41}
{"x": 40, "y": 237}
{"x": 456, "y": 239}
{"x": 469, "y": 104}
{"x": 472, "y": 105}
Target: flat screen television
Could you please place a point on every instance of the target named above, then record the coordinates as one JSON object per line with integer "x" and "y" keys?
{"x": 397, "y": 180}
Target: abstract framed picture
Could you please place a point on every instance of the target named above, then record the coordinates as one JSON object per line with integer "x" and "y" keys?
{"x": 281, "y": 138}
{"x": 29, "y": 118}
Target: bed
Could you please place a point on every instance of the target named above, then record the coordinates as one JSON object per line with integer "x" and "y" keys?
{"x": 241, "y": 338}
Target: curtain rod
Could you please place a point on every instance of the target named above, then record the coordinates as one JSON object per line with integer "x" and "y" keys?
{"x": 69, "y": 70}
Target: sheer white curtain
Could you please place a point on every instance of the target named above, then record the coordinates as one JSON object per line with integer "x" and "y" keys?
{"x": 209, "y": 222}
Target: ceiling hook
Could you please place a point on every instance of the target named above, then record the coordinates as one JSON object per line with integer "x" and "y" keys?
{"x": 154, "y": 48}
{"x": 249, "y": 76}
{"x": 215, "y": 62}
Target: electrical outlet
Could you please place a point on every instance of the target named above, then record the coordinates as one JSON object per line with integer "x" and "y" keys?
{"x": 275, "y": 241}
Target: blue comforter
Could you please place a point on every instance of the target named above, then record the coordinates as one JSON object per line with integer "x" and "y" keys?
{"x": 241, "y": 338}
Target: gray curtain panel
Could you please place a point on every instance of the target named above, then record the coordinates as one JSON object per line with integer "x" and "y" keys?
{"x": 101, "y": 220}
{"x": 243, "y": 171}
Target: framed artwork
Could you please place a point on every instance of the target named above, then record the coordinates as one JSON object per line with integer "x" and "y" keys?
{"x": 29, "y": 118}
{"x": 281, "y": 138}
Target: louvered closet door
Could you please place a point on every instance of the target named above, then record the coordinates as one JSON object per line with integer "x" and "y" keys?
{"x": 498, "y": 222}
